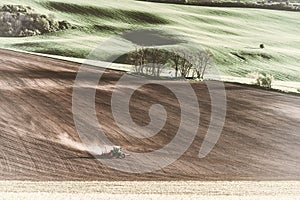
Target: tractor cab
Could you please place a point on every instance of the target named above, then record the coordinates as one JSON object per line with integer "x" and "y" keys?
{"x": 117, "y": 149}
{"x": 117, "y": 152}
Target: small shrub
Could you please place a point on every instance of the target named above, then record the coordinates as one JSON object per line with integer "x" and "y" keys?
{"x": 262, "y": 79}
{"x": 261, "y": 46}
{"x": 64, "y": 25}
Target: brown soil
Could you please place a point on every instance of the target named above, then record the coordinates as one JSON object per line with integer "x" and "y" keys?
{"x": 38, "y": 140}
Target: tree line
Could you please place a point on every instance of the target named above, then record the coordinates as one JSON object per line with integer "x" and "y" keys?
{"x": 186, "y": 64}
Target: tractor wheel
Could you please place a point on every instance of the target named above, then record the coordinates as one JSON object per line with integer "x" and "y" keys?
{"x": 122, "y": 156}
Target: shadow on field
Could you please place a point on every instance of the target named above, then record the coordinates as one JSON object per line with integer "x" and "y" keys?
{"x": 128, "y": 16}
{"x": 151, "y": 38}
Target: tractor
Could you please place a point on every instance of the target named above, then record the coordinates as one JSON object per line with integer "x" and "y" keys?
{"x": 116, "y": 152}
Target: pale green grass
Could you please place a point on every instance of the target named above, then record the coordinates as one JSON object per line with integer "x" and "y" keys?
{"x": 227, "y": 32}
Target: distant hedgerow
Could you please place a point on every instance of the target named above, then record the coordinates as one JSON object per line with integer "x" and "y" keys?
{"x": 22, "y": 21}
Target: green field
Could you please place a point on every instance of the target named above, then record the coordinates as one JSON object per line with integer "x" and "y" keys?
{"x": 232, "y": 34}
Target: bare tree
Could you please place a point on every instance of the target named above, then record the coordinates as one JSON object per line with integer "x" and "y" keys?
{"x": 148, "y": 61}
{"x": 185, "y": 66}
{"x": 138, "y": 59}
{"x": 179, "y": 59}
{"x": 201, "y": 60}
{"x": 157, "y": 58}
{"x": 152, "y": 61}
{"x": 153, "y": 56}
{"x": 133, "y": 59}
{"x": 175, "y": 59}
{"x": 142, "y": 53}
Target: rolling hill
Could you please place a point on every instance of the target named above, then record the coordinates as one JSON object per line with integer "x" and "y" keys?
{"x": 232, "y": 34}
{"x": 39, "y": 142}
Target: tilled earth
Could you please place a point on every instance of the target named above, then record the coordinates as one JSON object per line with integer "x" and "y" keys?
{"x": 38, "y": 139}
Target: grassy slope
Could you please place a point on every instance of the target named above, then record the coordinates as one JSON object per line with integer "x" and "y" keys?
{"x": 228, "y": 32}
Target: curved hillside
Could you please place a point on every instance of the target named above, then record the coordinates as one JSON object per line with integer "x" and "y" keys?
{"x": 233, "y": 35}
{"x": 38, "y": 140}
